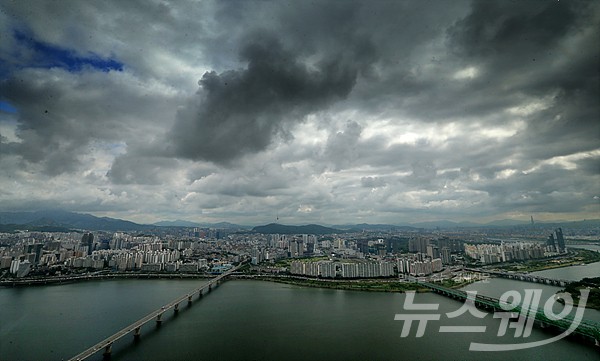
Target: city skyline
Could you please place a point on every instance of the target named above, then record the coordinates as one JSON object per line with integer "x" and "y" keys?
{"x": 297, "y": 112}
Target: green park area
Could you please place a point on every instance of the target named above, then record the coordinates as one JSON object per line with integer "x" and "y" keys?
{"x": 593, "y": 284}
{"x": 370, "y": 285}
{"x": 353, "y": 285}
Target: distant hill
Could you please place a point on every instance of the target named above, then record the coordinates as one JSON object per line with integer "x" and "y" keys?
{"x": 225, "y": 225}
{"x": 182, "y": 223}
{"x": 54, "y": 220}
{"x": 507, "y": 222}
{"x": 13, "y": 228}
{"x": 284, "y": 229}
{"x": 177, "y": 223}
{"x": 373, "y": 227}
{"x": 586, "y": 223}
{"x": 70, "y": 220}
{"x": 445, "y": 224}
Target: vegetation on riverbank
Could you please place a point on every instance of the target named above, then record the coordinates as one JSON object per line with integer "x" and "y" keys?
{"x": 354, "y": 285}
{"x": 593, "y": 284}
{"x": 370, "y": 285}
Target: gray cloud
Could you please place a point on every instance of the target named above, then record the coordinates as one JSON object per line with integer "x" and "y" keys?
{"x": 240, "y": 111}
{"x": 372, "y": 182}
{"x": 141, "y": 170}
{"x": 61, "y": 114}
{"x": 327, "y": 112}
{"x": 342, "y": 147}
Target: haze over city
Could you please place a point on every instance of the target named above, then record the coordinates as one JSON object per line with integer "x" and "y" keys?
{"x": 302, "y": 112}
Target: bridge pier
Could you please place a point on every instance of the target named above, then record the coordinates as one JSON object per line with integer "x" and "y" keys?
{"x": 107, "y": 350}
{"x": 541, "y": 324}
{"x": 106, "y": 344}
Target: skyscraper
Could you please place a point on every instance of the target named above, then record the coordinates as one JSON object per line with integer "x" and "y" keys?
{"x": 87, "y": 240}
{"x": 446, "y": 257}
{"x": 418, "y": 245}
{"x": 35, "y": 249}
{"x": 550, "y": 242}
{"x": 560, "y": 240}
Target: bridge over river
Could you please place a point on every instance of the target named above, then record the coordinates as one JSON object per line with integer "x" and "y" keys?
{"x": 526, "y": 277}
{"x": 154, "y": 316}
{"x": 586, "y": 331}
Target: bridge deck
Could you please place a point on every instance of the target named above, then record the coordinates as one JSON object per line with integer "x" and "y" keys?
{"x": 527, "y": 277}
{"x": 586, "y": 327}
{"x": 107, "y": 342}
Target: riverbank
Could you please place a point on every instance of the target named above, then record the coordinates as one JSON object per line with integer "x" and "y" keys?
{"x": 366, "y": 285}
{"x": 40, "y": 281}
{"x": 592, "y": 284}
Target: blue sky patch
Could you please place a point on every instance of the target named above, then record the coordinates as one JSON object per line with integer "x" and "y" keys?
{"x": 51, "y": 56}
{"x": 7, "y": 107}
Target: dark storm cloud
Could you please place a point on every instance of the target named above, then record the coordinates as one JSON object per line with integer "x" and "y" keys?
{"x": 240, "y": 111}
{"x": 50, "y": 129}
{"x": 533, "y": 49}
{"x": 514, "y": 30}
{"x": 60, "y": 114}
{"x": 349, "y": 109}
{"x": 518, "y": 51}
{"x": 590, "y": 166}
{"x": 549, "y": 189}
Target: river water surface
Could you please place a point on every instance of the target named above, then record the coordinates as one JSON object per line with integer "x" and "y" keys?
{"x": 244, "y": 319}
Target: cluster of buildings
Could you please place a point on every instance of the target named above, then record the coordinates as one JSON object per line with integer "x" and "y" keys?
{"x": 18, "y": 267}
{"x": 361, "y": 254}
{"x": 506, "y": 252}
{"x": 357, "y": 255}
{"x": 442, "y": 248}
{"x": 132, "y": 260}
{"x": 556, "y": 242}
{"x": 415, "y": 265}
{"x": 329, "y": 269}
{"x": 418, "y": 265}
{"x": 63, "y": 253}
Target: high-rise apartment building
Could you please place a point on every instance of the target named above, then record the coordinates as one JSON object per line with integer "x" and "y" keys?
{"x": 560, "y": 240}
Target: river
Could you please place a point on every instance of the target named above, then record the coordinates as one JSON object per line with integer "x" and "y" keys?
{"x": 591, "y": 247}
{"x": 245, "y": 319}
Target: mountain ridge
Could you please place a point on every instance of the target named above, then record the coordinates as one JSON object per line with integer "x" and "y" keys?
{"x": 73, "y": 220}
{"x": 287, "y": 229}
{"x": 59, "y": 219}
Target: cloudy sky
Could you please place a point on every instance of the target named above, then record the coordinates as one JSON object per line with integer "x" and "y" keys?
{"x": 312, "y": 111}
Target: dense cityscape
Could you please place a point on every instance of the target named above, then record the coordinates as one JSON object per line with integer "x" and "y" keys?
{"x": 351, "y": 254}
